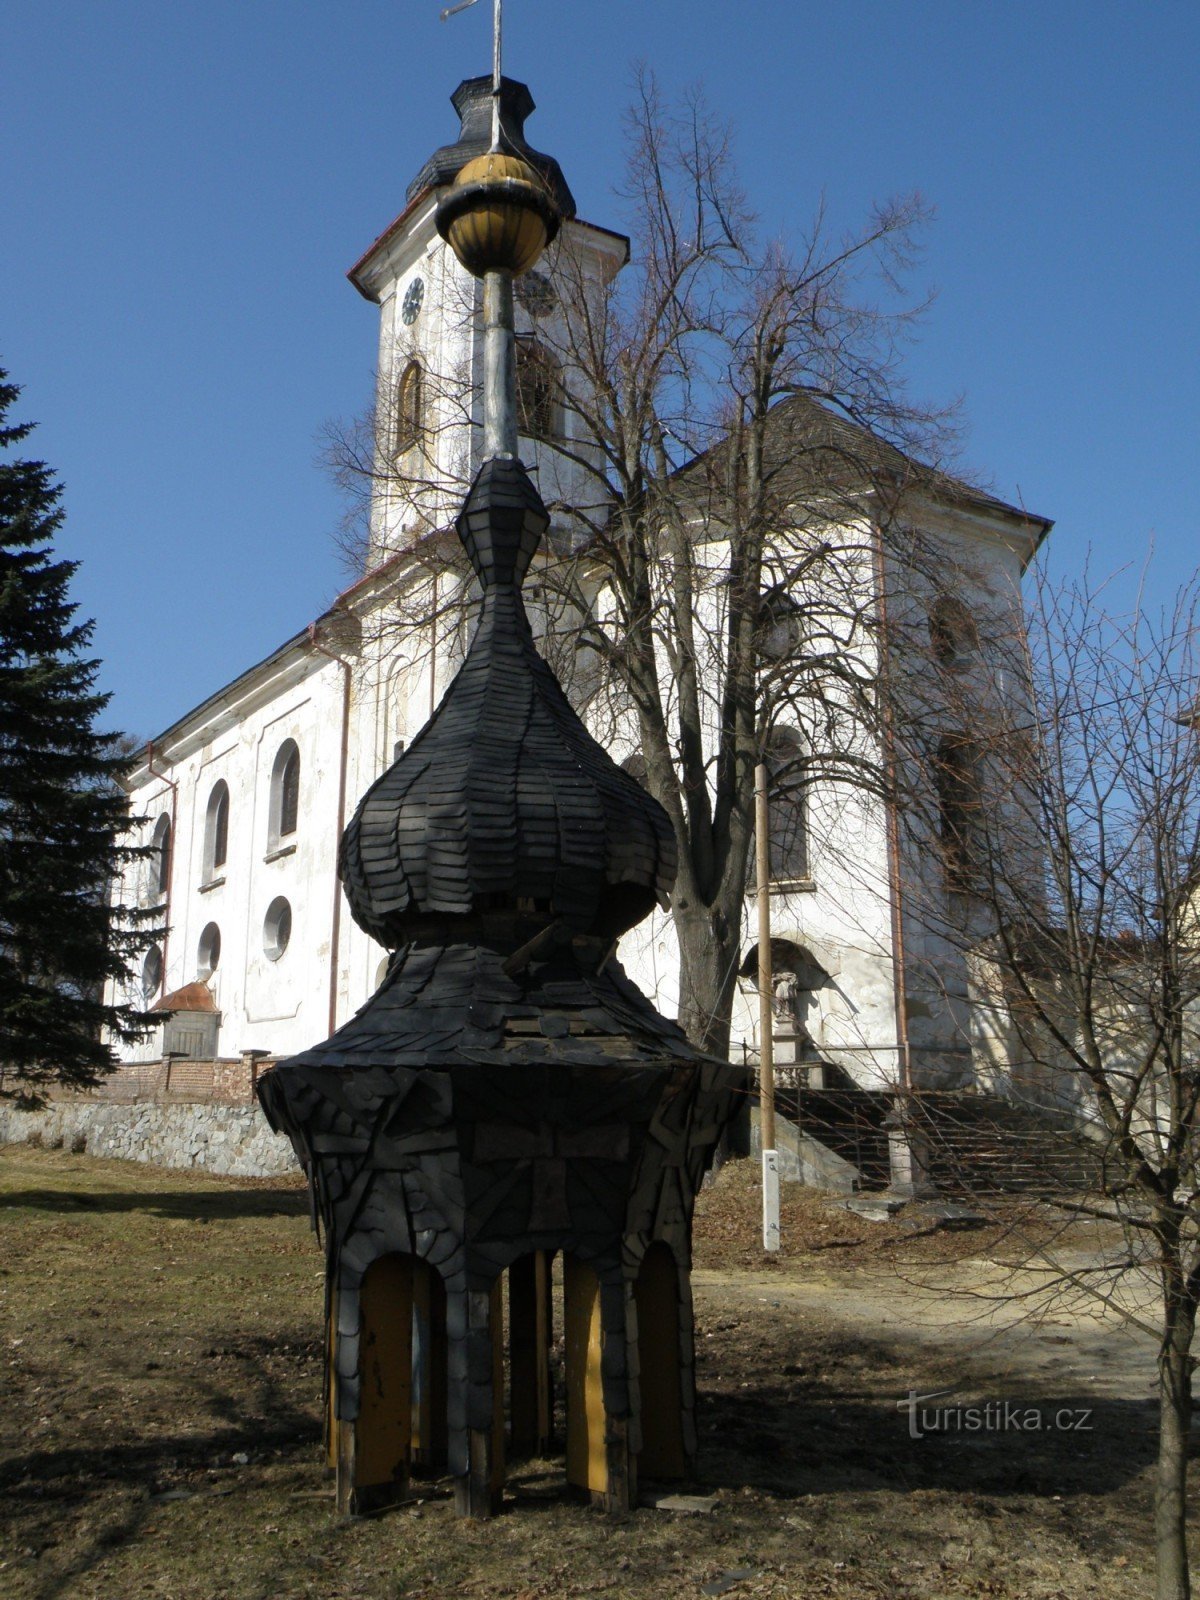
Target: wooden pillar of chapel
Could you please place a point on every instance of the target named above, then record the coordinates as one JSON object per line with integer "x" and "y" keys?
{"x": 530, "y": 1331}
{"x": 656, "y": 1297}
{"x": 478, "y": 1491}
{"x": 429, "y": 1438}
{"x": 374, "y": 1448}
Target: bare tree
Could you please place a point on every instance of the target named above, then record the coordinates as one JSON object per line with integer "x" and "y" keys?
{"x": 1087, "y": 949}
{"x": 735, "y": 413}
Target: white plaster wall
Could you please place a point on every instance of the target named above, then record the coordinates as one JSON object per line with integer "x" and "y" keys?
{"x": 276, "y": 1005}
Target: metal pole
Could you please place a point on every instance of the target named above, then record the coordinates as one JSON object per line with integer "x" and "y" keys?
{"x": 496, "y": 23}
{"x": 766, "y": 1042}
{"x": 499, "y": 368}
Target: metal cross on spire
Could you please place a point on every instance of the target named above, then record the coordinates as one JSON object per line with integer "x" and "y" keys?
{"x": 497, "y": 23}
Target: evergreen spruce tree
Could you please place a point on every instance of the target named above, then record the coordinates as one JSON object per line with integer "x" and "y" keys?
{"x": 62, "y": 814}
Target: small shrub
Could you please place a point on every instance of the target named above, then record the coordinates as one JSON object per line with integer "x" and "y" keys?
{"x": 35, "y": 1140}
{"x": 55, "y": 1142}
{"x": 79, "y": 1142}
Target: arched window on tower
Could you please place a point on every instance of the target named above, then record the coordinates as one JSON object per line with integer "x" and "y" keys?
{"x": 952, "y": 632}
{"x": 410, "y": 407}
{"x": 285, "y": 794}
{"x": 216, "y": 831}
{"x": 787, "y": 799}
{"x": 960, "y": 810}
{"x": 538, "y": 388}
{"x": 395, "y": 732}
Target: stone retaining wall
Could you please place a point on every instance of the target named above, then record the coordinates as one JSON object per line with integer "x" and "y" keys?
{"x": 217, "y": 1138}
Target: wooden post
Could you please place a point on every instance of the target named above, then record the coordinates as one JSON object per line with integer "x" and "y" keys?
{"x": 656, "y": 1295}
{"x": 331, "y": 1423}
{"x": 766, "y": 1019}
{"x": 477, "y": 1492}
{"x": 497, "y": 1329}
{"x": 429, "y": 1369}
{"x": 529, "y": 1332}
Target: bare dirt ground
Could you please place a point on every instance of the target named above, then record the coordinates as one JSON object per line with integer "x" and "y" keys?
{"x": 160, "y": 1333}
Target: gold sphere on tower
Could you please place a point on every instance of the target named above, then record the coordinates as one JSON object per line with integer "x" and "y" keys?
{"x": 498, "y": 215}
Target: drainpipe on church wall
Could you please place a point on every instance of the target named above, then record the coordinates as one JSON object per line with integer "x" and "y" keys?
{"x": 335, "y": 929}
{"x": 174, "y": 788}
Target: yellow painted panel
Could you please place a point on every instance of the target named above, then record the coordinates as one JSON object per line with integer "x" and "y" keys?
{"x": 587, "y": 1466}
{"x": 384, "y": 1427}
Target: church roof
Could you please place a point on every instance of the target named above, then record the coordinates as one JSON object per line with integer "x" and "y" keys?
{"x": 808, "y": 444}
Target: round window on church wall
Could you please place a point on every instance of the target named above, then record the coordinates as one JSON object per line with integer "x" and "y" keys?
{"x": 277, "y": 929}
{"x": 209, "y": 952}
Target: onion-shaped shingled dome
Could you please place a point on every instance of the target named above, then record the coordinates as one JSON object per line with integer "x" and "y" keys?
{"x": 505, "y": 801}
{"x": 473, "y": 102}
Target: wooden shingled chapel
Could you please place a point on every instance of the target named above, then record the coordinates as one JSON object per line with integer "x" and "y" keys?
{"x": 507, "y": 1097}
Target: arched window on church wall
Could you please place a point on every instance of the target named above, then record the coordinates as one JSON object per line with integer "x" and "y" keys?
{"x": 787, "y": 800}
{"x": 285, "y": 795}
{"x": 410, "y": 407}
{"x": 216, "y": 831}
{"x": 160, "y": 861}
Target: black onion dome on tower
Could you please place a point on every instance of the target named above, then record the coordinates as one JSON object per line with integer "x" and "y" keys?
{"x": 504, "y": 801}
{"x": 473, "y": 102}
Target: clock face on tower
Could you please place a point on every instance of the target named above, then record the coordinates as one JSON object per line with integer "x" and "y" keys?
{"x": 536, "y": 293}
{"x": 410, "y": 308}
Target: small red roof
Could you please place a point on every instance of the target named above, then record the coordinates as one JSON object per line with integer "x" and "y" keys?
{"x": 192, "y": 997}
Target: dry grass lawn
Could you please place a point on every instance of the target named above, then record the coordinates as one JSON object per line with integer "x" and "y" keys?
{"x": 160, "y": 1428}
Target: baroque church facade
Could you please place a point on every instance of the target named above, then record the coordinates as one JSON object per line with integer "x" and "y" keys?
{"x": 245, "y": 797}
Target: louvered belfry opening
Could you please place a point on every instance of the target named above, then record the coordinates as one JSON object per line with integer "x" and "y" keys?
{"x": 508, "y": 1138}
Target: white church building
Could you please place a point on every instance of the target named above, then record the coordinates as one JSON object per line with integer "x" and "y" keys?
{"x": 245, "y": 796}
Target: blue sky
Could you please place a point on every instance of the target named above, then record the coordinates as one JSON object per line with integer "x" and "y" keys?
{"x": 185, "y": 185}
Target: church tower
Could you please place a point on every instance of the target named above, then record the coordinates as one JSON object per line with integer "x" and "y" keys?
{"x": 429, "y": 394}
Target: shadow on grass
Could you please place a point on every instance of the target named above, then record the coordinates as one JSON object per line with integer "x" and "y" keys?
{"x": 199, "y": 1205}
{"x": 793, "y": 1444}
{"x": 787, "y": 1445}
{"x": 69, "y": 1506}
